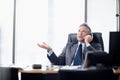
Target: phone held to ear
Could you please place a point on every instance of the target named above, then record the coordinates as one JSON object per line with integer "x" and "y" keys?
{"x": 91, "y": 35}
{"x": 88, "y": 38}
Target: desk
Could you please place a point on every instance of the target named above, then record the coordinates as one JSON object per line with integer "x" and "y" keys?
{"x": 38, "y": 74}
{"x": 117, "y": 71}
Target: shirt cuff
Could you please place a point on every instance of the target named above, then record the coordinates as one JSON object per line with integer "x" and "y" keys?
{"x": 87, "y": 45}
{"x": 50, "y": 53}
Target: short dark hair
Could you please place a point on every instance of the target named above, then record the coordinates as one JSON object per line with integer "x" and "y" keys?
{"x": 86, "y": 25}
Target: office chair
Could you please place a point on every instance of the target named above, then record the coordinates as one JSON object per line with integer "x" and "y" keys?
{"x": 92, "y": 58}
{"x": 97, "y": 38}
{"x": 8, "y": 73}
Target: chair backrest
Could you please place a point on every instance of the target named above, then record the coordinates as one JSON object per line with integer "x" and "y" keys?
{"x": 8, "y": 73}
{"x": 97, "y": 38}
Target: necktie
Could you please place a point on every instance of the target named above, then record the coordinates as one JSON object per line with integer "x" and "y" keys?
{"x": 78, "y": 57}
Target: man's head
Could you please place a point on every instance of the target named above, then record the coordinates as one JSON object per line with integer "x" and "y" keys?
{"x": 83, "y": 31}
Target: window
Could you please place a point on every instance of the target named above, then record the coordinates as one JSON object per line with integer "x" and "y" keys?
{"x": 44, "y": 20}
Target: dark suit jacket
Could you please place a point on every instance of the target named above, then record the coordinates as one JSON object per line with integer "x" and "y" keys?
{"x": 66, "y": 57}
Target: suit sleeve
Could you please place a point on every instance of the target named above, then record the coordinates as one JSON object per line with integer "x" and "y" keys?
{"x": 60, "y": 60}
{"x": 94, "y": 47}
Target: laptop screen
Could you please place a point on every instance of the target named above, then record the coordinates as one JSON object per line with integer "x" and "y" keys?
{"x": 114, "y": 47}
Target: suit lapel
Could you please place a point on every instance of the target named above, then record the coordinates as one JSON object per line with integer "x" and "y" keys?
{"x": 73, "y": 49}
{"x": 72, "y": 52}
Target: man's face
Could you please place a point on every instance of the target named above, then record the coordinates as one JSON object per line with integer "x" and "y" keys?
{"x": 82, "y": 32}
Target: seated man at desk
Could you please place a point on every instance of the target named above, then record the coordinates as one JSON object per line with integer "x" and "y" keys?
{"x": 73, "y": 54}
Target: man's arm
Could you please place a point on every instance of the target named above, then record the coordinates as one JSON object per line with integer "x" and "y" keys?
{"x": 52, "y": 56}
{"x": 92, "y": 46}
{"x": 56, "y": 60}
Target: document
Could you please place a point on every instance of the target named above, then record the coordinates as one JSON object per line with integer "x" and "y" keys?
{"x": 71, "y": 67}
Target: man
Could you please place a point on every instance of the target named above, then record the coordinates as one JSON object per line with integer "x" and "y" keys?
{"x": 69, "y": 53}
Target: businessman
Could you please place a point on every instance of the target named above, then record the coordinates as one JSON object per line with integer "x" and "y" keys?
{"x": 73, "y": 53}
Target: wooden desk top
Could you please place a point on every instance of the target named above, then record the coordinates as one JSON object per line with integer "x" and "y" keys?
{"x": 116, "y": 71}
{"x": 39, "y": 71}
{"x": 43, "y": 71}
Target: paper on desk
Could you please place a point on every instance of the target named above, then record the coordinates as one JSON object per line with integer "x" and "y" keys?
{"x": 71, "y": 67}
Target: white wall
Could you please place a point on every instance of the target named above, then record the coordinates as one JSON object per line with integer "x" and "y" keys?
{"x": 68, "y": 14}
{"x": 31, "y": 28}
{"x": 44, "y": 20}
{"x": 101, "y": 18}
{"x": 6, "y": 31}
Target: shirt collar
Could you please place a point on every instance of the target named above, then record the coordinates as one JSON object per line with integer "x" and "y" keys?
{"x": 80, "y": 43}
{"x": 83, "y": 44}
